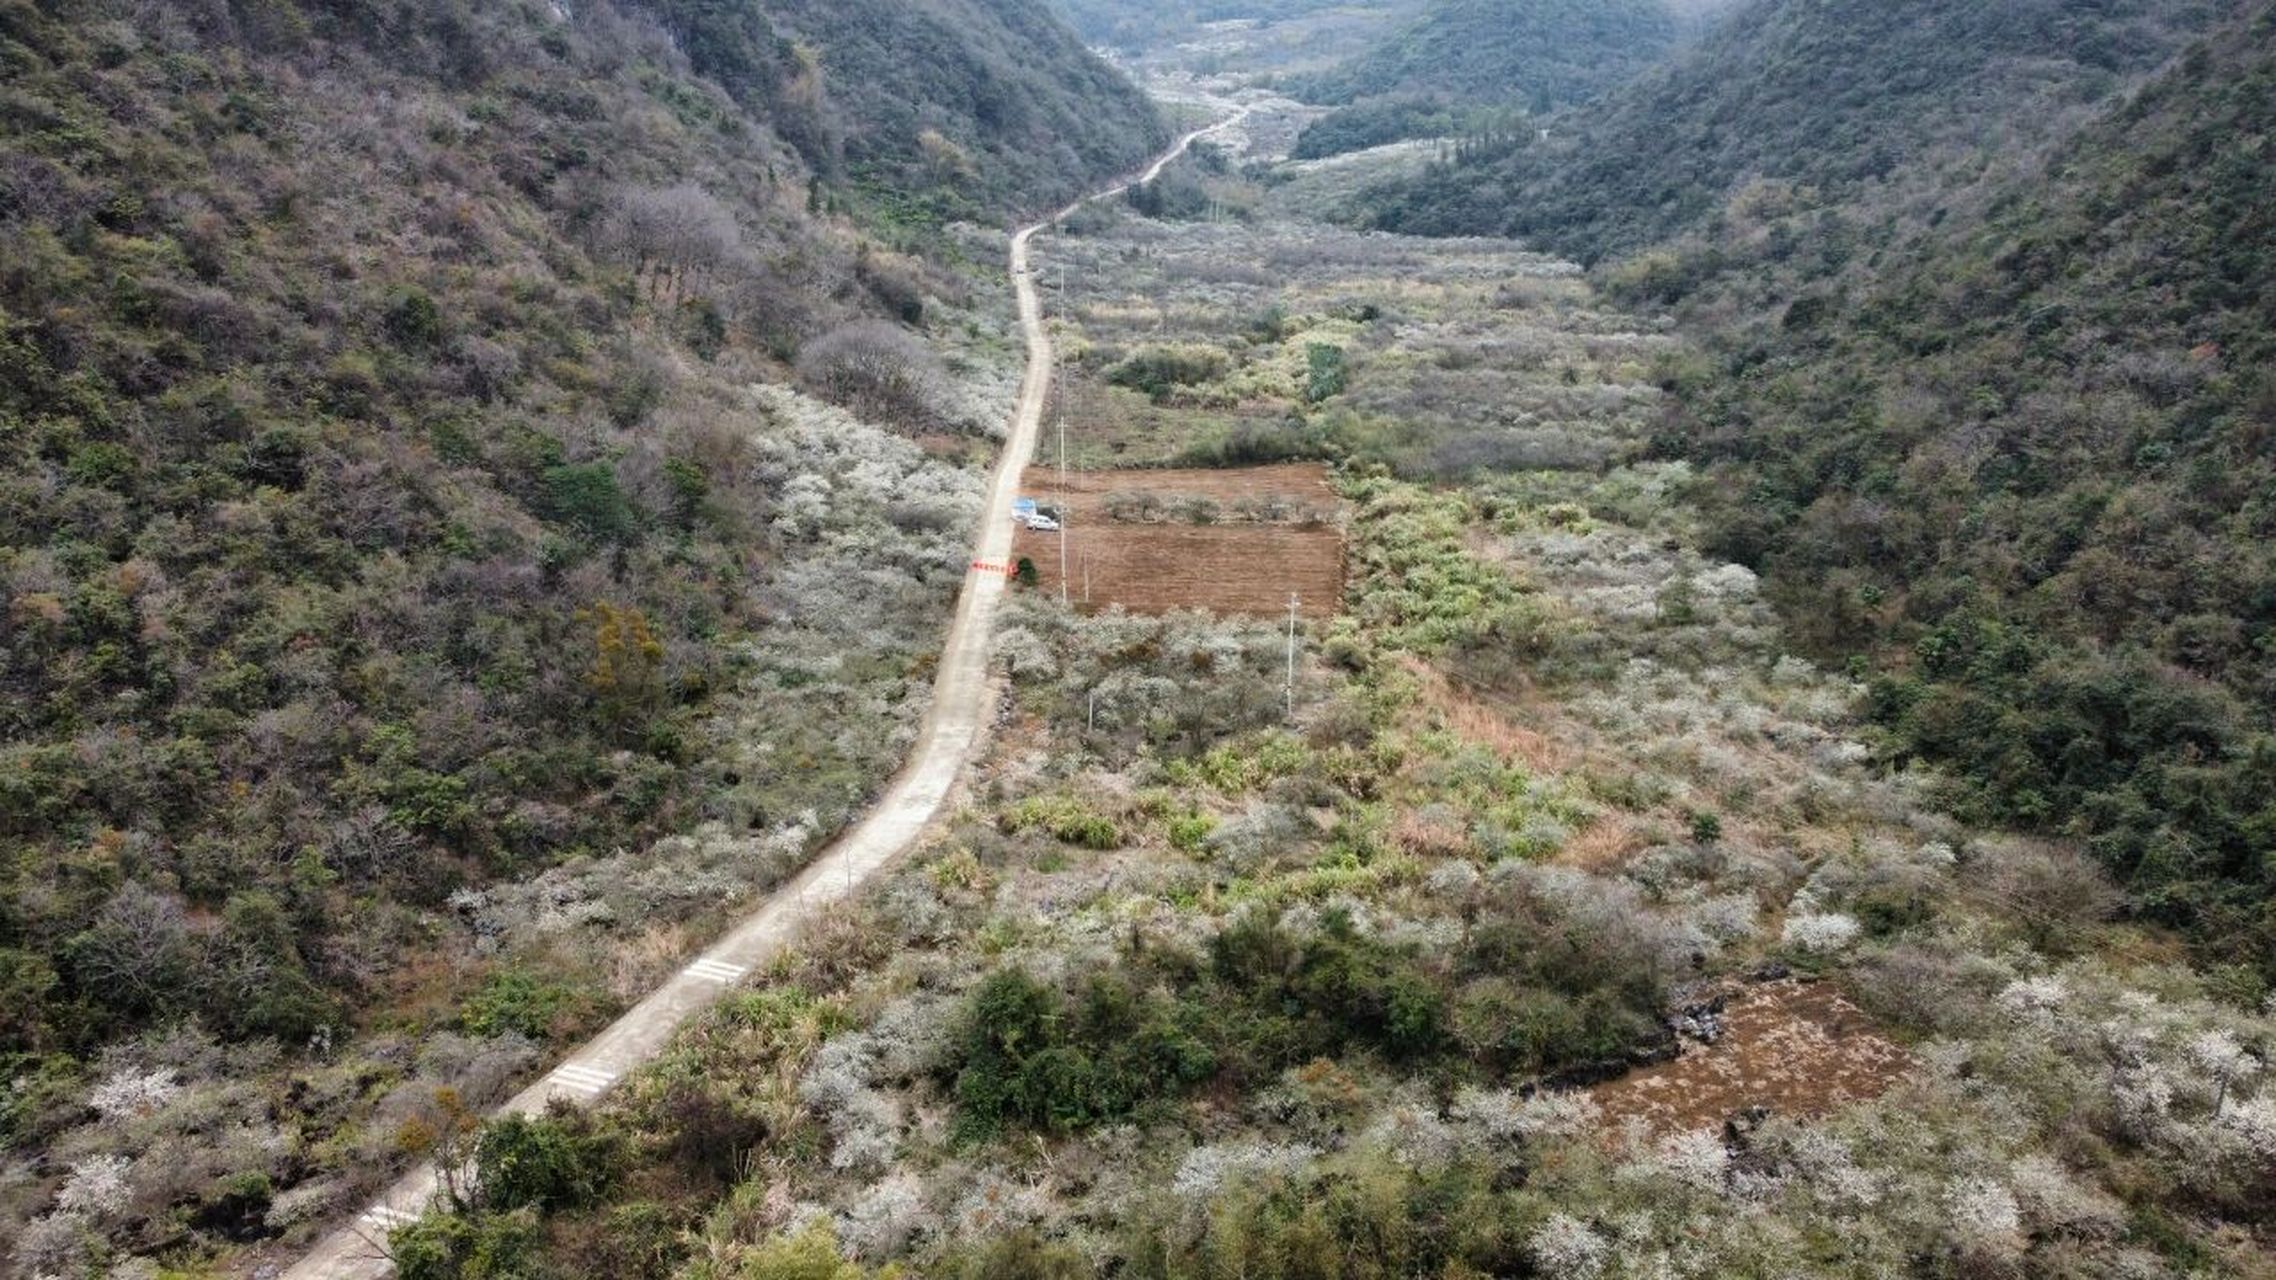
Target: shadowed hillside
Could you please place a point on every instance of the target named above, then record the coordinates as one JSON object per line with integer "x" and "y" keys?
{"x": 2034, "y": 454}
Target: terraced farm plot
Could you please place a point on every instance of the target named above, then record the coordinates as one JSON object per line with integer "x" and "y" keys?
{"x": 1234, "y": 542}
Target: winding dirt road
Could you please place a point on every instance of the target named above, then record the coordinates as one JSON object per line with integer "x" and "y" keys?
{"x": 951, "y": 731}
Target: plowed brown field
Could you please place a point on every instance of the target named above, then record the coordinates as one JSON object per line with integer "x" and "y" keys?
{"x": 1228, "y": 567}
{"x": 1797, "y": 1048}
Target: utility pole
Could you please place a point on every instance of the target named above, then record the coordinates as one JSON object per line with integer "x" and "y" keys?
{"x": 1290, "y": 686}
{"x": 1066, "y": 507}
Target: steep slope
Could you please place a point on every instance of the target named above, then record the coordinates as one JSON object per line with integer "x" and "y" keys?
{"x": 979, "y": 104}
{"x": 1458, "y": 54}
{"x": 2036, "y": 455}
{"x": 1840, "y": 104}
{"x": 432, "y": 582}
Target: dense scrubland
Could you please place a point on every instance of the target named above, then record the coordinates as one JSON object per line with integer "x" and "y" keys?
{"x": 398, "y": 734}
{"x": 2050, "y": 487}
{"x": 471, "y": 510}
{"x": 1982, "y": 298}
{"x": 1193, "y": 986}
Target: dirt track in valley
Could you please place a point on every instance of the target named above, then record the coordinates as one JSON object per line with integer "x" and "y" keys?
{"x": 952, "y": 729}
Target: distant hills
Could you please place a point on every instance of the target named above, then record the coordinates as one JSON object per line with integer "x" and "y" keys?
{"x": 1542, "y": 53}
{"x": 1837, "y": 101}
{"x": 1143, "y": 24}
{"x": 1462, "y": 62}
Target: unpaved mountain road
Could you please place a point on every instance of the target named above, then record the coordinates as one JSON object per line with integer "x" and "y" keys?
{"x": 950, "y": 732}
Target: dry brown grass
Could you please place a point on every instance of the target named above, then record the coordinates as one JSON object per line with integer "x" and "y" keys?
{"x": 1475, "y": 720}
{"x": 637, "y": 963}
{"x": 1605, "y": 846}
{"x": 1424, "y": 837}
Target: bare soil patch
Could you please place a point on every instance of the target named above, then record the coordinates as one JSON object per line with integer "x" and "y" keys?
{"x": 1796, "y": 1048}
{"x": 1274, "y": 530}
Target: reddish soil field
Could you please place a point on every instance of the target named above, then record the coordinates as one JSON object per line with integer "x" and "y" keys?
{"x": 1229, "y": 567}
{"x": 1798, "y": 1048}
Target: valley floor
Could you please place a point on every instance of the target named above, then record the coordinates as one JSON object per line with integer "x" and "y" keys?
{"x": 1560, "y": 923}
{"x": 1566, "y": 927}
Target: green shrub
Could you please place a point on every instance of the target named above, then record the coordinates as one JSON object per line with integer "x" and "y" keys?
{"x": 104, "y": 464}
{"x": 1246, "y": 764}
{"x": 552, "y": 1162}
{"x": 1326, "y": 374}
{"x": 1159, "y": 371}
{"x": 1064, "y": 819}
{"x": 812, "y": 1254}
{"x": 1020, "y": 1255}
{"x": 449, "y": 1246}
{"x": 587, "y": 498}
{"x": 1189, "y": 833}
{"x": 413, "y": 318}
{"x": 1342, "y": 989}
{"x": 521, "y": 1002}
{"x": 1030, "y": 1056}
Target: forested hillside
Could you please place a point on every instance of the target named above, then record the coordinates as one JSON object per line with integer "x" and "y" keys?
{"x": 418, "y": 473}
{"x": 2036, "y": 456}
{"x": 1980, "y": 397}
{"x": 1462, "y": 55}
{"x": 968, "y": 104}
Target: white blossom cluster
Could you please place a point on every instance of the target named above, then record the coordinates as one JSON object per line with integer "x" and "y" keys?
{"x": 1820, "y": 932}
{"x": 1566, "y": 1248}
{"x": 1205, "y": 1170}
{"x": 129, "y": 1092}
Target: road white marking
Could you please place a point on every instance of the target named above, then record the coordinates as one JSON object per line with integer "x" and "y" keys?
{"x": 718, "y": 971}
{"x": 583, "y": 1080}
{"x": 387, "y": 1217}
